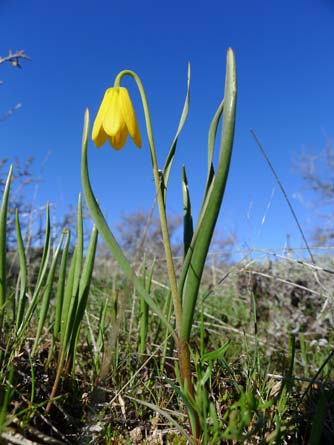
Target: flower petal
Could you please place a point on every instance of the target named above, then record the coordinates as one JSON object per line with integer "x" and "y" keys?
{"x": 100, "y": 138}
{"x": 113, "y": 119}
{"x": 129, "y": 115}
{"x": 118, "y": 140}
{"x": 100, "y": 115}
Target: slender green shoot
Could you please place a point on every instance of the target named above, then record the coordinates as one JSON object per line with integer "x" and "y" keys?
{"x": 22, "y": 296}
{"x": 3, "y": 247}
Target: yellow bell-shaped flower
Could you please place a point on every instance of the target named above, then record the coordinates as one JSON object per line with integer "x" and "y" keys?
{"x": 115, "y": 119}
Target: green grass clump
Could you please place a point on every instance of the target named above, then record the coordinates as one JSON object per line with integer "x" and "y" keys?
{"x": 250, "y": 387}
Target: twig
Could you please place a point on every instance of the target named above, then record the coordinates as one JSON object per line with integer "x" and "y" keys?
{"x": 15, "y": 58}
{"x": 10, "y": 112}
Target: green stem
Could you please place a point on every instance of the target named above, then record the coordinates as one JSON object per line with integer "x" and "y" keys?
{"x": 160, "y": 199}
{"x": 182, "y": 346}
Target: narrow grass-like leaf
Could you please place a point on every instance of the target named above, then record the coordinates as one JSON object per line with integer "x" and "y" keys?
{"x": 40, "y": 279}
{"x": 316, "y": 376}
{"x": 101, "y": 333}
{"x": 168, "y": 307}
{"x": 216, "y": 354}
{"x": 104, "y": 230}
{"x": 211, "y": 142}
{"x": 188, "y": 229}
{"x": 3, "y": 247}
{"x": 47, "y": 295}
{"x": 143, "y": 322}
{"x": 67, "y": 299}
{"x": 8, "y": 395}
{"x": 211, "y": 171}
{"x": 74, "y": 304}
{"x": 61, "y": 285}
{"x": 319, "y": 420}
{"x": 143, "y": 314}
{"x": 193, "y": 412}
{"x": 211, "y": 146}
{"x": 86, "y": 276}
{"x": 79, "y": 247}
{"x": 84, "y": 286}
{"x": 171, "y": 153}
{"x": 46, "y": 250}
{"x": 71, "y": 294}
{"x": 65, "y": 330}
{"x": 166, "y": 415}
{"x": 22, "y": 298}
{"x": 33, "y": 380}
{"x": 196, "y": 256}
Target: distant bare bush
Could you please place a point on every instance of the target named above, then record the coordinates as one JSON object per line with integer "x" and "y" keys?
{"x": 317, "y": 173}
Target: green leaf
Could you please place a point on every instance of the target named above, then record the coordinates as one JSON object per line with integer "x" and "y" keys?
{"x": 211, "y": 146}
{"x": 197, "y": 253}
{"x": 3, "y": 253}
{"x": 59, "y": 299}
{"x": 65, "y": 314}
{"x": 216, "y": 354}
{"x": 85, "y": 281}
{"x": 319, "y": 420}
{"x": 23, "y": 274}
{"x": 61, "y": 284}
{"x": 79, "y": 247}
{"x": 171, "y": 153}
{"x": 46, "y": 251}
{"x": 188, "y": 229}
{"x": 47, "y": 295}
{"x": 41, "y": 277}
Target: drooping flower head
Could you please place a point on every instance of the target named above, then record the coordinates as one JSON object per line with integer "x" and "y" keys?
{"x": 115, "y": 119}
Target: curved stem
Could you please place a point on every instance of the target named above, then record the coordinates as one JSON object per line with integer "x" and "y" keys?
{"x": 160, "y": 199}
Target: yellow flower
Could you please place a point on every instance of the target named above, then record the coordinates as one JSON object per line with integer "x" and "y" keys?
{"x": 115, "y": 119}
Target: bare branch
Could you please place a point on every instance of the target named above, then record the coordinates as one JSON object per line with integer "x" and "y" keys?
{"x": 15, "y": 58}
{"x": 10, "y": 112}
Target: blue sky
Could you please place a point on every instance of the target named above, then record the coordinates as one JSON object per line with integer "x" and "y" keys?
{"x": 285, "y": 68}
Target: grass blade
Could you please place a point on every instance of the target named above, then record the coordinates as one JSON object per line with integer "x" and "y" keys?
{"x": 22, "y": 299}
{"x": 3, "y": 247}
{"x": 61, "y": 285}
{"x": 47, "y": 295}
{"x": 166, "y": 415}
{"x": 84, "y": 286}
{"x": 143, "y": 322}
{"x": 46, "y": 250}
{"x": 41, "y": 276}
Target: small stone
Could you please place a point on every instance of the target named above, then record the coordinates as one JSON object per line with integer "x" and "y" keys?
{"x": 97, "y": 428}
{"x": 136, "y": 435}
